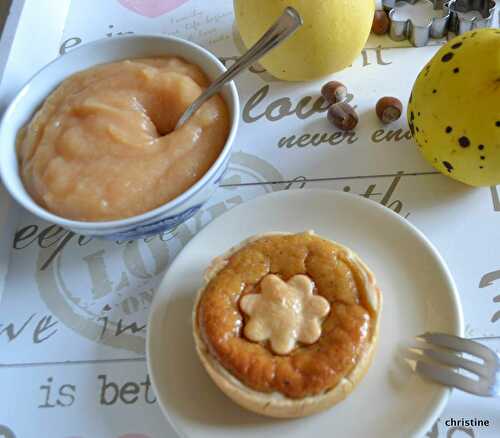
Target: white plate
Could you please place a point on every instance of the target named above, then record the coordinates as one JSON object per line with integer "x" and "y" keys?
{"x": 419, "y": 295}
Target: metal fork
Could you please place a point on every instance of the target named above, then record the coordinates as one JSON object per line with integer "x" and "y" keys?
{"x": 448, "y": 360}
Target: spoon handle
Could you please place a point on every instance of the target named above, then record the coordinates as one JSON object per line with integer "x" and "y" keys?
{"x": 285, "y": 26}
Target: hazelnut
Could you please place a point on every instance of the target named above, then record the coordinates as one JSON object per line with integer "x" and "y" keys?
{"x": 389, "y": 109}
{"x": 381, "y": 23}
{"x": 334, "y": 92}
{"x": 343, "y": 116}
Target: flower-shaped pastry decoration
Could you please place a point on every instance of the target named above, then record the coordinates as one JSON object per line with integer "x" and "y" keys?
{"x": 284, "y": 313}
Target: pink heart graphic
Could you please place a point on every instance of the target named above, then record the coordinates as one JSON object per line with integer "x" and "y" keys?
{"x": 151, "y": 8}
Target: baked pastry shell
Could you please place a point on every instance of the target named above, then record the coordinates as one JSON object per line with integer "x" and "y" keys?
{"x": 276, "y": 404}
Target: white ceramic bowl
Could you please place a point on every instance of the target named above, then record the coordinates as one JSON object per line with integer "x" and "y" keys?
{"x": 107, "y": 50}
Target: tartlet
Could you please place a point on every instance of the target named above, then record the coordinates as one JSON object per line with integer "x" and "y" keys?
{"x": 286, "y": 324}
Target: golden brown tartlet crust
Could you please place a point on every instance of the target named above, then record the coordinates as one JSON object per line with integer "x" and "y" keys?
{"x": 347, "y": 332}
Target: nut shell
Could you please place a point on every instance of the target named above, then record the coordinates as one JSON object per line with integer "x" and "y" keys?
{"x": 381, "y": 23}
{"x": 389, "y": 109}
{"x": 343, "y": 116}
{"x": 334, "y": 92}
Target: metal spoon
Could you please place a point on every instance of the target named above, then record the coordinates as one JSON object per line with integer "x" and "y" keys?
{"x": 285, "y": 26}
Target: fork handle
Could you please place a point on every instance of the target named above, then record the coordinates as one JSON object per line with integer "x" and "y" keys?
{"x": 284, "y": 27}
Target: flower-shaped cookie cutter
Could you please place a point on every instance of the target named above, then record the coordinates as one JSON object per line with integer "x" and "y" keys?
{"x": 418, "y": 35}
{"x": 460, "y": 23}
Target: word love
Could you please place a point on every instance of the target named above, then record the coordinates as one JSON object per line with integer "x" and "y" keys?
{"x": 281, "y": 108}
{"x": 278, "y": 109}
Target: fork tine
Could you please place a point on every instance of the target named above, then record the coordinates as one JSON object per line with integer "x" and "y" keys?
{"x": 456, "y": 361}
{"x": 450, "y": 378}
{"x": 462, "y": 345}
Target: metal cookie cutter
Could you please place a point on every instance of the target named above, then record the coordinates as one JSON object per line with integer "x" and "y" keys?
{"x": 460, "y": 24}
{"x": 418, "y": 35}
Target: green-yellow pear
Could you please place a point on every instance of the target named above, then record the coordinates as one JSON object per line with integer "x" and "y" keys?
{"x": 454, "y": 109}
{"x": 332, "y": 36}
